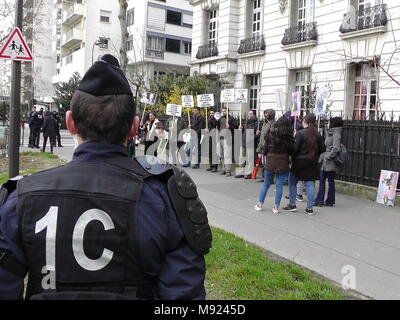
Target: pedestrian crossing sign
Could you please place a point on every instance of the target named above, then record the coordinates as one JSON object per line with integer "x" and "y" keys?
{"x": 15, "y": 47}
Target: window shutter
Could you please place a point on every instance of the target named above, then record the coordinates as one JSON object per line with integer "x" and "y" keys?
{"x": 156, "y": 18}
{"x": 187, "y": 19}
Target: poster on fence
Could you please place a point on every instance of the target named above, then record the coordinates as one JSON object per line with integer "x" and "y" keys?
{"x": 205, "y": 100}
{"x": 321, "y": 101}
{"x": 387, "y": 188}
{"x": 174, "y": 110}
{"x": 228, "y": 96}
{"x": 187, "y": 102}
{"x": 296, "y": 104}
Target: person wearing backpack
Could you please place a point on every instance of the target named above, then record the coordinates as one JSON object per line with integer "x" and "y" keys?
{"x": 329, "y": 165}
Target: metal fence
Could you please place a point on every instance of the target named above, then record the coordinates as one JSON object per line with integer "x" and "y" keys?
{"x": 372, "y": 146}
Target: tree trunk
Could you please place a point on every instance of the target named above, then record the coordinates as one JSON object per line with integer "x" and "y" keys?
{"x": 123, "y": 6}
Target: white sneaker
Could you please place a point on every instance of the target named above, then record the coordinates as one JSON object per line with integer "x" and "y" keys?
{"x": 275, "y": 209}
{"x": 258, "y": 207}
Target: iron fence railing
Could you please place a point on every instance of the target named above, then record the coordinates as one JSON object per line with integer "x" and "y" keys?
{"x": 208, "y": 50}
{"x": 300, "y": 33}
{"x": 254, "y": 43}
{"x": 366, "y": 18}
{"x": 372, "y": 146}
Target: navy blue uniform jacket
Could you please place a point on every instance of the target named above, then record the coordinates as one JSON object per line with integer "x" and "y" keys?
{"x": 165, "y": 253}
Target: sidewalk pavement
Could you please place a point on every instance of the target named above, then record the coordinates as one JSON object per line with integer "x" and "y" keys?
{"x": 356, "y": 232}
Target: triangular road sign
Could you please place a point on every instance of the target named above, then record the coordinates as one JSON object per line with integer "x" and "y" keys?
{"x": 15, "y": 47}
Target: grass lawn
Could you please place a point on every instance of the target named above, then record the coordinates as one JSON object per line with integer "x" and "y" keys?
{"x": 30, "y": 162}
{"x": 236, "y": 269}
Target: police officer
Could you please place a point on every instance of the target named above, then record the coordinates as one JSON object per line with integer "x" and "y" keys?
{"x": 37, "y": 123}
{"x": 104, "y": 225}
{"x": 30, "y": 122}
{"x": 58, "y": 126}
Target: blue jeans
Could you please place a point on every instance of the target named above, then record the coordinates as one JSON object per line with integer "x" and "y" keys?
{"x": 331, "y": 188}
{"x": 310, "y": 190}
{"x": 268, "y": 179}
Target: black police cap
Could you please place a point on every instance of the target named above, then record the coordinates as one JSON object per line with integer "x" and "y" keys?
{"x": 104, "y": 78}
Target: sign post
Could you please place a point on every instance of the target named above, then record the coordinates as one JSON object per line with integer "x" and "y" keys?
{"x": 11, "y": 50}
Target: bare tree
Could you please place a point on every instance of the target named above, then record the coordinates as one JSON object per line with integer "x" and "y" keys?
{"x": 123, "y": 6}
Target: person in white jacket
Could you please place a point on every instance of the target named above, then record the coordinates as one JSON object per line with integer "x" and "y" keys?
{"x": 154, "y": 133}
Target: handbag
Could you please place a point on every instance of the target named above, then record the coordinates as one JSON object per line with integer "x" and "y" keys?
{"x": 342, "y": 156}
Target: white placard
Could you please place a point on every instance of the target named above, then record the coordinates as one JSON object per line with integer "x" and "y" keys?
{"x": 228, "y": 96}
{"x": 241, "y": 95}
{"x": 205, "y": 100}
{"x": 174, "y": 110}
{"x": 187, "y": 102}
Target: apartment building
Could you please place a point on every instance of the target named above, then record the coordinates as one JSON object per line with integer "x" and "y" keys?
{"x": 36, "y": 75}
{"x": 83, "y": 31}
{"x": 5, "y": 79}
{"x": 298, "y": 45}
{"x": 160, "y": 41}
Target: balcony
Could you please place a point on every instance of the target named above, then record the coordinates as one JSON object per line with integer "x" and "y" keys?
{"x": 366, "y": 21}
{"x": 72, "y": 37}
{"x": 253, "y": 44}
{"x": 207, "y": 51}
{"x": 73, "y": 14}
{"x": 155, "y": 54}
{"x": 301, "y": 35}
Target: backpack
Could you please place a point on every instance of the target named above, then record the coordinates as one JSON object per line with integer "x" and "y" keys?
{"x": 342, "y": 156}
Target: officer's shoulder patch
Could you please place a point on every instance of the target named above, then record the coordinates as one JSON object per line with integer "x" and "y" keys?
{"x": 7, "y": 188}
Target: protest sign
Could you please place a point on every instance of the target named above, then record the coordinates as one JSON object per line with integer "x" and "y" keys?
{"x": 241, "y": 95}
{"x": 187, "y": 102}
{"x": 387, "y": 188}
{"x": 228, "y": 96}
{"x": 174, "y": 110}
{"x": 205, "y": 100}
{"x": 321, "y": 101}
{"x": 296, "y": 104}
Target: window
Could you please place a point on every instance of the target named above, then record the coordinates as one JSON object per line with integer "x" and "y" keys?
{"x": 105, "y": 16}
{"x": 130, "y": 17}
{"x": 256, "y": 22}
{"x": 305, "y": 13}
{"x": 365, "y": 92}
{"x": 174, "y": 17}
{"x": 302, "y": 81}
{"x": 129, "y": 44}
{"x": 254, "y": 81}
{"x": 212, "y": 27}
{"x": 155, "y": 43}
{"x": 158, "y": 74}
{"x": 187, "y": 47}
{"x": 172, "y": 45}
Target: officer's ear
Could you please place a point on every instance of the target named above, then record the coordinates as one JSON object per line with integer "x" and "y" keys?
{"x": 134, "y": 128}
{"x": 70, "y": 123}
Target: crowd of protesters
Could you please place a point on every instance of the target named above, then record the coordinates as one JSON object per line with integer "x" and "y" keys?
{"x": 292, "y": 151}
{"x": 46, "y": 122}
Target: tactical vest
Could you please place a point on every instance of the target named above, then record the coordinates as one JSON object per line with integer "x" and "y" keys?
{"x": 79, "y": 229}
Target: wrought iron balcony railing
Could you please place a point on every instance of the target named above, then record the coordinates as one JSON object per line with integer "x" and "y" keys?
{"x": 208, "y": 50}
{"x": 300, "y": 33}
{"x": 255, "y": 43}
{"x": 367, "y": 18}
